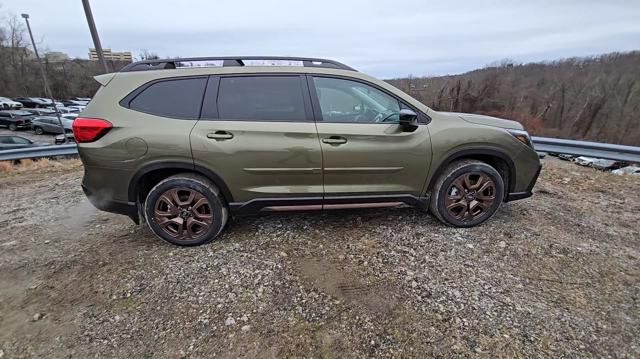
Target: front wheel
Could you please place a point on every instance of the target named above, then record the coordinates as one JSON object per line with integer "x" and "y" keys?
{"x": 13, "y": 127}
{"x": 38, "y": 130}
{"x": 467, "y": 193}
{"x": 186, "y": 210}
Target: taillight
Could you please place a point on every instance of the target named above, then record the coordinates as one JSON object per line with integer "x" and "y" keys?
{"x": 90, "y": 129}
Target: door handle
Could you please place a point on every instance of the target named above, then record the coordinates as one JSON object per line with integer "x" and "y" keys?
{"x": 220, "y": 135}
{"x": 335, "y": 140}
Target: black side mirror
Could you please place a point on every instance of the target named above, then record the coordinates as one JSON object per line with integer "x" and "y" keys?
{"x": 408, "y": 120}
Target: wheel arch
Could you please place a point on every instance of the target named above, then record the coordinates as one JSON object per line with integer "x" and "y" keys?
{"x": 498, "y": 159}
{"x": 148, "y": 176}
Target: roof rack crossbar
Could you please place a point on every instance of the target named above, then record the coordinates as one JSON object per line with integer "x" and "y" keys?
{"x": 229, "y": 61}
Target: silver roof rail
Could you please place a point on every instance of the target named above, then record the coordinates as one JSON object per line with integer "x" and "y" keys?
{"x": 227, "y": 61}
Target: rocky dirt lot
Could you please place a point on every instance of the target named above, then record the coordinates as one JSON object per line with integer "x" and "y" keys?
{"x": 555, "y": 275}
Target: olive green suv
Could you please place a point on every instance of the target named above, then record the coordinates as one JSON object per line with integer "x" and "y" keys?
{"x": 186, "y": 143}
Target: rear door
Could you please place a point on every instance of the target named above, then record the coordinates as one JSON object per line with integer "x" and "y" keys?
{"x": 257, "y": 133}
{"x": 365, "y": 151}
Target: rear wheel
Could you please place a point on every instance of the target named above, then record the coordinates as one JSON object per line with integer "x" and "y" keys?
{"x": 13, "y": 127}
{"x": 38, "y": 130}
{"x": 467, "y": 193}
{"x": 186, "y": 210}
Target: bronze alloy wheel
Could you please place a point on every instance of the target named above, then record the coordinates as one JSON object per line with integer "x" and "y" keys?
{"x": 183, "y": 213}
{"x": 470, "y": 196}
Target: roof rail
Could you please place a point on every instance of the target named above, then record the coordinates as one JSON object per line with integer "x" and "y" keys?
{"x": 230, "y": 61}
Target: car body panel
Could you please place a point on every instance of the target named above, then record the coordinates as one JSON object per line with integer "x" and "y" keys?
{"x": 376, "y": 158}
{"x": 263, "y": 159}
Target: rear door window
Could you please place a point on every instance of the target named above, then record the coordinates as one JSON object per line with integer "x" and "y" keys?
{"x": 261, "y": 98}
{"x": 175, "y": 98}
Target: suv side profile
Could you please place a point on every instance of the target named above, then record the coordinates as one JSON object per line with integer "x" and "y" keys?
{"x": 186, "y": 147}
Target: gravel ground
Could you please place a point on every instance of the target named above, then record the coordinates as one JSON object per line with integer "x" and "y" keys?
{"x": 555, "y": 275}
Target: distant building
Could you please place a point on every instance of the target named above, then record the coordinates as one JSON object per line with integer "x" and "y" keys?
{"x": 110, "y": 55}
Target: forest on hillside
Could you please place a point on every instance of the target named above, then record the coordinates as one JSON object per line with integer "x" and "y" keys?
{"x": 590, "y": 98}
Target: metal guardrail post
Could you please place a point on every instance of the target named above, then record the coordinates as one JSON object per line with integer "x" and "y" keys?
{"x": 39, "y": 152}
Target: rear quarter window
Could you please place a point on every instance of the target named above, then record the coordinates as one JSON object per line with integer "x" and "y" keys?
{"x": 175, "y": 98}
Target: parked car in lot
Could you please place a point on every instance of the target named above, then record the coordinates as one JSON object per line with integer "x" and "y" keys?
{"x": 629, "y": 170}
{"x": 72, "y": 102}
{"x": 15, "y": 119}
{"x": 41, "y": 111}
{"x": 59, "y": 139}
{"x": 9, "y": 104}
{"x": 10, "y": 142}
{"x": 50, "y": 103}
{"x": 32, "y": 102}
{"x": 68, "y": 110}
{"x": 187, "y": 147}
{"x": 69, "y": 116}
{"x": 49, "y": 124}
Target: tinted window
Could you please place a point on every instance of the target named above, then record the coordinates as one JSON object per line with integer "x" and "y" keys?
{"x": 6, "y": 140}
{"x": 21, "y": 141}
{"x": 4, "y": 114}
{"x": 179, "y": 98}
{"x": 354, "y": 102}
{"x": 261, "y": 98}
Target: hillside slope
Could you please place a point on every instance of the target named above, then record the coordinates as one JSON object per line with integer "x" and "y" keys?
{"x": 595, "y": 98}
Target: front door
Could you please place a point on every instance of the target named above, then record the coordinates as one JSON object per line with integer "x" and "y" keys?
{"x": 365, "y": 151}
{"x": 257, "y": 133}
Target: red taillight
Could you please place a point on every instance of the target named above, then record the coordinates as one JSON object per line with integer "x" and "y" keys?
{"x": 90, "y": 129}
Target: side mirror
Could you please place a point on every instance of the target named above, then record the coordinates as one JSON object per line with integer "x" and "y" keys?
{"x": 408, "y": 120}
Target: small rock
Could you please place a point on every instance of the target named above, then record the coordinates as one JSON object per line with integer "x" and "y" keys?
{"x": 245, "y": 328}
{"x": 37, "y": 317}
{"x": 478, "y": 350}
{"x": 244, "y": 318}
{"x": 116, "y": 318}
{"x": 414, "y": 284}
{"x": 47, "y": 241}
{"x": 283, "y": 254}
{"x": 1, "y": 353}
{"x": 230, "y": 321}
{"x": 470, "y": 245}
{"x": 502, "y": 244}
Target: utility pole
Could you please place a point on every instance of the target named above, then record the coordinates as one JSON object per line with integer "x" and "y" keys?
{"x": 94, "y": 34}
{"x": 47, "y": 90}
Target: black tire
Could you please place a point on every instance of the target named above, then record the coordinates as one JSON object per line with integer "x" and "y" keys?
{"x": 38, "y": 130}
{"x": 13, "y": 127}
{"x": 479, "y": 206}
{"x": 184, "y": 184}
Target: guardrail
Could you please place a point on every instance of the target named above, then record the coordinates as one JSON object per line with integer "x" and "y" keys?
{"x": 39, "y": 152}
{"x": 589, "y": 149}
{"x": 541, "y": 144}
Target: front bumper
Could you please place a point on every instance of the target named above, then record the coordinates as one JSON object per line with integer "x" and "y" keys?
{"x": 108, "y": 205}
{"x": 514, "y": 196}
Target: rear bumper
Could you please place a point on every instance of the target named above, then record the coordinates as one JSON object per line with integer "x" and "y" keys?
{"x": 107, "y": 205}
{"x": 514, "y": 196}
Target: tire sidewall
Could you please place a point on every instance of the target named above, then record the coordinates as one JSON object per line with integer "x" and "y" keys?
{"x": 38, "y": 131}
{"x": 189, "y": 183}
{"x": 13, "y": 127}
{"x": 442, "y": 195}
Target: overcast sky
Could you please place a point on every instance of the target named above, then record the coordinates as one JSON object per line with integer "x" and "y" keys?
{"x": 383, "y": 38}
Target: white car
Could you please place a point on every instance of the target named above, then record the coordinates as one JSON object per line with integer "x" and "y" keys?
{"x": 9, "y": 104}
{"x": 629, "y": 170}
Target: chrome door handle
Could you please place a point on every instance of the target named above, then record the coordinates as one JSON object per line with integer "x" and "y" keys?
{"x": 335, "y": 140}
{"x": 220, "y": 135}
